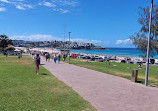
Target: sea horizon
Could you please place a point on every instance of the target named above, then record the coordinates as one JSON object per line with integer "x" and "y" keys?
{"x": 125, "y": 52}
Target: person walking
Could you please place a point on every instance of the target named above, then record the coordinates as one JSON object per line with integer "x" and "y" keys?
{"x": 59, "y": 58}
{"x": 37, "y": 63}
{"x": 48, "y": 55}
{"x": 19, "y": 56}
{"x": 6, "y": 53}
{"x": 55, "y": 58}
{"x": 64, "y": 57}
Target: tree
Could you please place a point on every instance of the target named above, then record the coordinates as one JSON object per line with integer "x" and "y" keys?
{"x": 4, "y": 41}
{"x": 140, "y": 39}
{"x": 9, "y": 48}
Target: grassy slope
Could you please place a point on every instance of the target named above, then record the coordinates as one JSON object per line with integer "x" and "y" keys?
{"x": 22, "y": 90}
{"x": 121, "y": 69}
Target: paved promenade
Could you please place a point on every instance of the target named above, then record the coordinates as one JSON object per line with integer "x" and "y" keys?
{"x": 105, "y": 92}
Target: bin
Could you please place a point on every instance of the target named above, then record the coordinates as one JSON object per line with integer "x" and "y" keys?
{"x": 134, "y": 75}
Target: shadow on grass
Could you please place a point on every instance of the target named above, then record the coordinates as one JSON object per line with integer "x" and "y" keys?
{"x": 44, "y": 74}
{"x": 138, "y": 81}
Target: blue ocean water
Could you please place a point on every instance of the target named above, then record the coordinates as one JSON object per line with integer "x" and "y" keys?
{"x": 127, "y": 52}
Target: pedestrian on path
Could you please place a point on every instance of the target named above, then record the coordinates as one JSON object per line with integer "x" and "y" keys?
{"x": 64, "y": 57}
{"x": 55, "y": 58}
{"x": 37, "y": 63}
{"x": 48, "y": 55}
{"x": 59, "y": 58}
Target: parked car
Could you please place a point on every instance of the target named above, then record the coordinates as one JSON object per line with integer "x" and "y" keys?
{"x": 144, "y": 61}
{"x": 113, "y": 58}
{"x": 92, "y": 58}
{"x": 99, "y": 59}
{"x": 138, "y": 62}
{"x": 82, "y": 56}
{"x": 130, "y": 62}
{"x": 123, "y": 61}
{"x": 88, "y": 57}
{"x": 152, "y": 61}
{"x": 104, "y": 57}
{"x": 156, "y": 64}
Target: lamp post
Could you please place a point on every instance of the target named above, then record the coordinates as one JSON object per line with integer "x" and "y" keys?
{"x": 148, "y": 47}
{"x": 64, "y": 38}
{"x": 69, "y": 47}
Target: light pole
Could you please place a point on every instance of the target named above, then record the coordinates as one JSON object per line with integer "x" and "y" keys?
{"x": 64, "y": 38}
{"x": 69, "y": 47}
{"x": 148, "y": 47}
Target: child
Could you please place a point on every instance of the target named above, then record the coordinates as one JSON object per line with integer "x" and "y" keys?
{"x": 55, "y": 58}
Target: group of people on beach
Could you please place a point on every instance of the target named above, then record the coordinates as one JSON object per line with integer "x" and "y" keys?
{"x": 47, "y": 58}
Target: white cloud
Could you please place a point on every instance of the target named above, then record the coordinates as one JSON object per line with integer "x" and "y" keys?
{"x": 6, "y": 1}
{"x": 123, "y": 42}
{"x": 36, "y": 37}
{"x": 61, "y": 10}
{"x": 65, "y": 11}
{"x": 18, "y": 4}
{"x": 68, "y": 2}
{"x": 39, "y": 37}
{"x": 22, "y": 6}
{"x": 2, "y": 9}
{"x": 48, "y": 4}
{"x": 62, "y": 6}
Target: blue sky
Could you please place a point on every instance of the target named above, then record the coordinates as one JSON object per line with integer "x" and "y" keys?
{"x": 107, "y": 23}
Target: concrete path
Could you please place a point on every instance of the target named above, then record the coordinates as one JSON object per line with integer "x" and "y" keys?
{"x": 105, "y": 92}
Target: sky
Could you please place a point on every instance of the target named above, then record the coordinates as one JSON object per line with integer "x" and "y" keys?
{"x": 107, "y": 23}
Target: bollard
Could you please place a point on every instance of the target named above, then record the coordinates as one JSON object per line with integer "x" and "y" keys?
{"x": 134, "y": 75}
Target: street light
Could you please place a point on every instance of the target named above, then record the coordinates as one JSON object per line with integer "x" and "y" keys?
{"x": 64, "y": 38}
{"x": 148, "y": 48}
{"x": 69, "y": 47}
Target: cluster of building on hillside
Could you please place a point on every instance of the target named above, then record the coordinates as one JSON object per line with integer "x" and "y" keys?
{"x": 53, "y": 44}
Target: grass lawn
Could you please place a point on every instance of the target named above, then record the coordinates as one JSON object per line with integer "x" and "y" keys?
{"x": 119, "y": 69}
{"x": 22, "y": 90}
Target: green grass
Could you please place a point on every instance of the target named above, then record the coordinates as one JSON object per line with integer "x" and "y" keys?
{"x": 22, "y": 90}
{"x": 121, "y": 69}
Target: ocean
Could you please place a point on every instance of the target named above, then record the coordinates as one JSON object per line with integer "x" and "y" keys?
{"x": 127, "y": 52}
